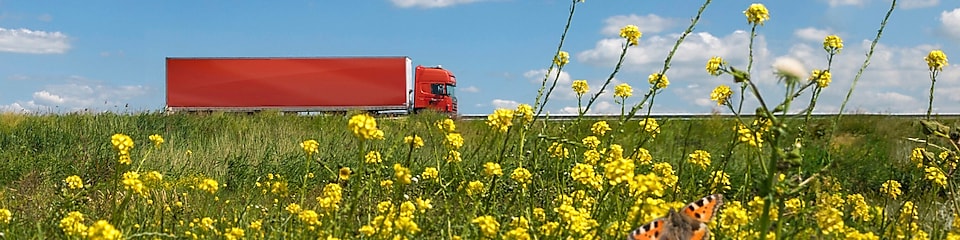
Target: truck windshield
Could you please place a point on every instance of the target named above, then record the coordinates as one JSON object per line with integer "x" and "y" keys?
{"x": 450, "y": 89}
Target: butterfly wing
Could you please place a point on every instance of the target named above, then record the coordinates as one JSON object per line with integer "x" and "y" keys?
{"x": 704, "y": 209}
{"x": 650, "y": 231}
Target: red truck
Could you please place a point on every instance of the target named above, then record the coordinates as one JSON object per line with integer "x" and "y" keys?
{"x": 312, "y": 84}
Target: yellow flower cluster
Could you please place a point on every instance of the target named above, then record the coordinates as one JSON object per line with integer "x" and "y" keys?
{"x": 646, "y": 185}
{"x": 557, "y": 150}
{"x": 310, "y": 146}
{"x": 394, "y": 223}
{"x": 5, "y": 215}
{"x": 832, "y": 44}
{"x": 402, "y": 174}
{"x": 488, "y": 225}
{"x": 822, "y": 77}
{"x": 719, "y": 181}
{"x": 156, "y": 139}
{"x": 936, "y": 60}
{"x": 585, "y": 174}
{"x": 103, "y": 230}
{"x": 233, "y": 233}
{"x": 430, "y": 173}
{"x": 935, "y": 175}
{"x": 580, "y": 87}
{"x": 592, "y": 142}
{"x": 474, "y": 188}
{"x": 344, "y": 173}
{"x": 414, "y": 141}
{"x": 617, "y": 169}
{"x": 491, "y": 169}
{"x": 757, "y": 14}
{"x": 721, "y": 94}
{"x": 600, "y": 127}
{"x": 575, "y": 219}
{"x": 658, "y": 81}
{"x": 364, "y": 127}
{"x": 72, "y": 224}
{"x": 623, "y": 90}
{"x": 700, "y": 158}
{"x": 525, "y": 112}
{"x": 632, "y": 34}
{"x": 372, "y": 157}
{"x": 714, "y": 65}
{"x": 454, "y": 141}
{"x": 643, "y": 156}
{"x": 310, "y": 218}
{"x": 453, "y": 156}
{"x": 651, "y": 126}
{"x": 208, "y": 185}
{"x": 501, "y": 119}
{"x": 666, "y": 173}
{"x": 519, "y": 231}
{"x": 891, "y": 188}
{"x": 446, "y": 125}
{"x": 131, "y": 182}
{"x": 74, "y": 182}
{"x": 329, "y": 200}
{"x": 861, "y": 210}
{"x": 123, "y": 144}
{"x": 521, "y": 175}
{"x": 562, "y": 58}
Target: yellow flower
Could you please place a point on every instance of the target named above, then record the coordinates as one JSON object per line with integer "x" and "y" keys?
{"x": 344, "y": 173}
{"x": 475, "y": 187}
{"x": 580, "y": 87}
{"x": 714, "y": 65}
{"x": 492, "y": 169}
{"x": 5, "y": 215}
{"x": 364, "y": 127}
{"x": 719, "y": 181}
{"x": 623, "y": 90}
{"x": 891, "y": 188}
{"x": 700, "y": 158}
{"x": 453, "y": 156}
{"x": 501, "y": 119}
{"x": 618, "y": 170}
{"x": 521, "y": 175}
{"x": 446, "y": 125}
{"x": 256, "y": 225}
{"x": 592, "y": 142}
{"x": 122, "y": 143}
{"x": 103, "y": 230}
{"x": 525, "y": 112}
{"x": 233, "y": 233}
{"x": 830, "y": 220}
{"x": 372, "y": 157}
{"x": 822, "y": 77}
{"x": 74, "y": 182}
{"x": 386, "y": 184}
{"x": 861, "y": 211}
{"x": 489, "y": 226}
{"x": 592, "y": 156}
{"x": 310, "y": 146}
{"x": 584, "y": 174}
{"x": 73, "y": 225}
{"x": 209, "y": 185}
{"x": 935, "y": 175}
{"x": 658, "y": 81}
{"x": 430, "y": 173}
{"x": 643, "y": 156}
{"x": 562, "y": 58}
{"x": 757, "y": 14}
{"x": 832, "y": 44}
{"x": 599, "y": 128}
{"x": 454, "y": 141}
{"x": 666, "y": 173}
{"x": 424, "y": 205}
{"x": 936, "y": 60}
{"x": 367, "y": 230}
{"x": 651, "y": 126}
{"x": 549, "y": 228}
{"x": 293, "y": 208}
{"x": 916, "y": 156}
{"x": 402, "y": 174}
{"x": 733, "y": 216}
{"x": 721, "y": 94}
{"x": 557, "y": 150}
{"x": 156, "y": 139}
{"x": 414, "y": 141}
{"x": 646, "y": 184}
{"x": 309, "y": 217}
{"x": 632, "y": 34}
{"x": 131, "y": 181}
{"x": 793, "y": 205}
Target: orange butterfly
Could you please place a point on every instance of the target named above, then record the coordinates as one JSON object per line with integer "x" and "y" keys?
{"x": 690, "y": 223}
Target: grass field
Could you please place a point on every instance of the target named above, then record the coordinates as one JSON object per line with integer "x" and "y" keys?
{"x": 261, "y": 169}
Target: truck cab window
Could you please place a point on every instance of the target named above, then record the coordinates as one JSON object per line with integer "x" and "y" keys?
{"x": 450, "y": 89}
{"x": 437, "y": 89}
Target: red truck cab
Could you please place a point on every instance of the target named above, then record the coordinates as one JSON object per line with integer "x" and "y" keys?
{"x": 434, "y": 89}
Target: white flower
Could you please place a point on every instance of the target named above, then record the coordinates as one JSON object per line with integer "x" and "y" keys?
{"x": 790, "y": 67}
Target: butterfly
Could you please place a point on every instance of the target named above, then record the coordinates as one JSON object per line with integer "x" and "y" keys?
{"x": 689, "y": 223}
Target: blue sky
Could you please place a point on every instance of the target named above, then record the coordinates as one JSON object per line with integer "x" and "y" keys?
{"x": 109, "y": 55}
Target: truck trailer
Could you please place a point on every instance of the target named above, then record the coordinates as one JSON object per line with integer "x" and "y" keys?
{"x": 309, "y": 84}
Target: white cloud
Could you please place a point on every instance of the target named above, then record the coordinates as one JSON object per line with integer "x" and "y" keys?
{"x": 470, "y": 89}
{"x": 811, "y": 34}
{"x": 650, "y": 23}
{"x": 78, "y": 94}
{"x": 950, "y": 23}
{"x": 834, "y": 3}
{"x": 430, "y": 3}
{"x": 30, "y": 41}
{"x": 501, "y": 103}
{"x": 909, "y": 4}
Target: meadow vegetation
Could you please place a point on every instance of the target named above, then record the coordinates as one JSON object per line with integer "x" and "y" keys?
{"x": 783, "y": 172}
